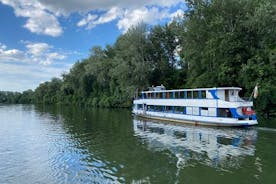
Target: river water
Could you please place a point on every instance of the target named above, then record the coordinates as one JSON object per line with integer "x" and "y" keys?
{"x": 76, "y": 145}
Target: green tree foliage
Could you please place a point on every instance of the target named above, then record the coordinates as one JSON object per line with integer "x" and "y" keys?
{"x": 232, "y": 43}
{"x": 7, "y": 97}
{"x": 48, "y": 92}
{"x": 216, "y": 43}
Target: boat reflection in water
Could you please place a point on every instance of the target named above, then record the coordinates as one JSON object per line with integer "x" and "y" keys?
{"x": 221, "y": 148}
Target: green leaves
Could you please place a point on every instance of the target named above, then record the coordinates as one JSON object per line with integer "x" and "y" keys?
{"x": 216, "y": 43}
{"x": 231, "y": 43}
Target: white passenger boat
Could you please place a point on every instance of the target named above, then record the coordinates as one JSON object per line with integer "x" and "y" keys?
{"x": 202, "y": 106}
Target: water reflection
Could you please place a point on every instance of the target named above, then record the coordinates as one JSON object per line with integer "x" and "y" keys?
{"x": 221, "y": 148}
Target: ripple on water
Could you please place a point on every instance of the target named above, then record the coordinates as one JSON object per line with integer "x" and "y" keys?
{"x": 72, "y": 161}
{"x": 39, "y": 148}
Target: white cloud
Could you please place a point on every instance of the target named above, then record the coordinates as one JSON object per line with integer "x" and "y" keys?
{"x": 39, "y": 53}
{"x": 39, "y": 19}
{"x": 178, "y": 13}
{"x": 10, "y": 54}
{"x": 43, "y": 23}
{"x": 149, "y": 16}
{"x": 70, "y": 6}
{"x": 37, "y": 49}
{"x": 129, "y": 17}
{"x": 42, "y": 53}
{"x": 42, "y": 15}
{"x": 111, "y": 15}
{"x": 91, "y": 21}
{"x": 50, "y": 57}
{"x": 88, "y": 21}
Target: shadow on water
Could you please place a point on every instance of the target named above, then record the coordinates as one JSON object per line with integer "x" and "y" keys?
{"x": 68, "y": 144}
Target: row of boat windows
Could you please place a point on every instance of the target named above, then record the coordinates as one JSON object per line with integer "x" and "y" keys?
{"x": 220, "y": 112}
{"x": 175, "y": 94}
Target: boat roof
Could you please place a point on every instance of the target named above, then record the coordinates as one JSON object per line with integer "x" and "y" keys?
{"x": 195, "y": 89}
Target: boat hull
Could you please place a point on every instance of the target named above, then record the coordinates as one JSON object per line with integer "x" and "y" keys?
{"x": 218, "y": 122}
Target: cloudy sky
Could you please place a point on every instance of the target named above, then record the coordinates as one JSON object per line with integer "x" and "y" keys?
{"x": 41, "y": 39}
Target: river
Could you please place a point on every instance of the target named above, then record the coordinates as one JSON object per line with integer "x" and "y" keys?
{"x": 61, "y": 144}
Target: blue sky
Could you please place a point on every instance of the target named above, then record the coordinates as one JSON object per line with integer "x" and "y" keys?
{"x": 41, "y": 39}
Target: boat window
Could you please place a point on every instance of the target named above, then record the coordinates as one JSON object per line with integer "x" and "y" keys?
{"x": 159, "y": 108}
{"x": 181, "y": 95}
{"x": 140, "y": 106}
{"x": 203, "y": 94}
{"x": 226, "y": 95}
{"x": 179, "y": 109}
{"x": 224, "y": 112}
{"x": 168, "y": 108}
{"x": 204, "y": 108}
{"x": 150, "y": 107}
{"x": 159, "y": 95}
{"x": 147, "y": 95}
{"x": 176, "y": 94}
{"x": 195, "y": 94}
{"x": 189, "y": 94}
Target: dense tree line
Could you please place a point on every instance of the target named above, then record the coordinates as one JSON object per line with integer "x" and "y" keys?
{"x": 215, "y": 43}
{"x": 16, "y": 98}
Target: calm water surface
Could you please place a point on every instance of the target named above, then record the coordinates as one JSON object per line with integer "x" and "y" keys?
{"x": 76, "y": 145}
